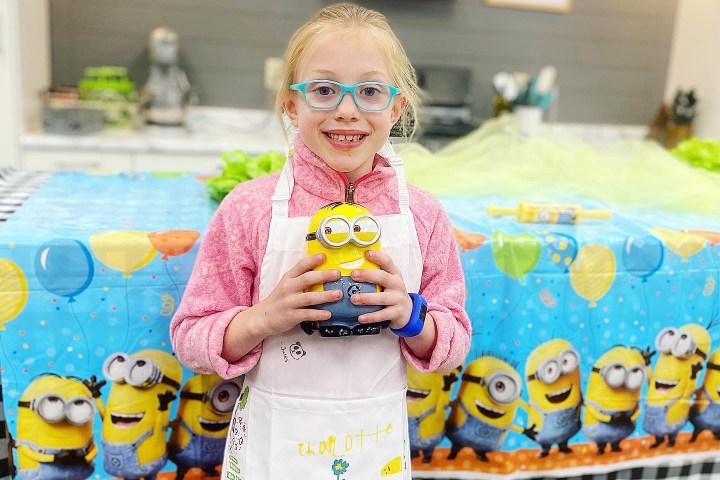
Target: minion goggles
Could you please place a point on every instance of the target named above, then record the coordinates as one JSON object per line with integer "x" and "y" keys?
{"x": 221, "y": 398}
{"x": 53, "y": 408}
{"x": 139, "y": 372}
{"x": 335, "y": 231}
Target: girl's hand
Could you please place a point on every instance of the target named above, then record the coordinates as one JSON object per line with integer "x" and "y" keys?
{"x": 395, "y": 298}
{"x": 286, "y": 306}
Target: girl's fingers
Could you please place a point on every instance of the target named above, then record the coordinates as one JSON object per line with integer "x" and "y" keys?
{"x": 305, "y": 265}
{"x": 382, "y": 260}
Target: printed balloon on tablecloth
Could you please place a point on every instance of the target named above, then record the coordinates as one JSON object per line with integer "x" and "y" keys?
{"x": 684, "y": 244}
{"x": 593, "y": 272}
{"x": 643, "y": 256}
{"x": 123, "y": 250}
{"x": 13, "y": 291}
{"x": 516, "y": 255}
{"x": 562, "y": 249}
{"x": 64, "y": 267}
{"x": 468, "y": 240}
{"x": 172, "y": 243}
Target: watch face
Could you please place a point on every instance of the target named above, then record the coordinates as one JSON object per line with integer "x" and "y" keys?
{"x": 423, "y": 311}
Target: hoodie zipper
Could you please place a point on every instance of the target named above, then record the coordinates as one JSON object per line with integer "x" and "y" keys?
{"x": 350, "y": 186}
{"x": 350, "y": 193}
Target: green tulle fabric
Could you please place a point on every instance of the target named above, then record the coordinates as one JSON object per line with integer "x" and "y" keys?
{"x": 494, "y": 161}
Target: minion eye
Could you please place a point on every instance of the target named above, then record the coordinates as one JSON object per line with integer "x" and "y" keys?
{"x": 328, "y": 230}
{"x": 80, "y": 411}
{"x": 635, "y": 378}
{"x": 503, "y": 389}
{"x": 615, "y": 376}
{"x": 224, "y": 397}
{"x": 666, "y": 339}
{"x": 51, "y": 408}
{"x": 115, "y": 367}
{"x": 569, "y": 361}
{"x": 141, "y": 372}
{"x": 549, "y": 372}
{"x": 684, "y": 346}
{"x": 366, "y": 230}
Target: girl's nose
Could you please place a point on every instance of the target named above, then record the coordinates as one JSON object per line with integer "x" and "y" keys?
{"x": 347, "y": 108}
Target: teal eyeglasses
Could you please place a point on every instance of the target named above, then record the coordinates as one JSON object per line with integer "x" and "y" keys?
{"x": 327, "y": 94}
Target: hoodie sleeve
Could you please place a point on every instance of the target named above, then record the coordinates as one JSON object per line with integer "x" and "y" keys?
{"x": 220, "y": 286}
{"x": 442, "y": 285}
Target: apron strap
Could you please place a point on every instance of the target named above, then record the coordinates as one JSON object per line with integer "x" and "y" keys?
{"x": 283, "y": 189}
{"x": 388, "y": 152}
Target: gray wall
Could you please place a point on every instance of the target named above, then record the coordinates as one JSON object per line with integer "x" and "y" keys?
{"x": 611, "y": 55}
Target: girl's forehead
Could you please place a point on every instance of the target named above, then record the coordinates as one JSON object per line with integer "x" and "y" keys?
{"x": 346, "y": 51}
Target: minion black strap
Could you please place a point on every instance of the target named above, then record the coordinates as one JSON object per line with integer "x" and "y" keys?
{"x": 171, "y": 382}
{"x": 466, "y": 377}
{"x": 193, "y": 396}
{"x": 713, "y": 366}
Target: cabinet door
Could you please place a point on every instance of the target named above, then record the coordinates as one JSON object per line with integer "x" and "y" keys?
{"x": 9, "y": 92}
{"x": 74, "y": 160}
{"x": 165, "y": 162}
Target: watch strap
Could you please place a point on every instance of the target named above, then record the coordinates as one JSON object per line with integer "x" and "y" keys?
{"x": 417, "y": 318}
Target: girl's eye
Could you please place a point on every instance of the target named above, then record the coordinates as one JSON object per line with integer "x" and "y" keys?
{"x": 323, "y": 90}
{"x": 369, "y": 91}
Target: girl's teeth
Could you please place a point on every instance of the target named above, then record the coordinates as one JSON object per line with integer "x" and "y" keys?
{"x": 344, "y": 138}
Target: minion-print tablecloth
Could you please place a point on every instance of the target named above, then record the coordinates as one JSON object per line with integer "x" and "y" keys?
{"x": 91, "y": 270}
{"x": 594, "y": 348}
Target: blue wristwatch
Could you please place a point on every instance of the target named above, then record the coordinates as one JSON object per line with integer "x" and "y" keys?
{"x": 417, "y": 318}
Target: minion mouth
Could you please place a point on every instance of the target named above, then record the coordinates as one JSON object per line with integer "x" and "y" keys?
{"x": 353, "y": 265}
{"x": 665, "y": 385}
{"x": 559, "y": 396}
{"x": 415, "y": 395}
{"x": 212, "y": 425}
{"x": 487, "y": 411}
{"x": 126, "y": 420}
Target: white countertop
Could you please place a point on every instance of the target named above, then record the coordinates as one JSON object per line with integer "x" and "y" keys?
{"x": 208, "y": 131}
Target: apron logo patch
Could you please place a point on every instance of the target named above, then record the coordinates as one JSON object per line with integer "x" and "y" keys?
{"x": 295, "y": 351}
{"x": 339, "y": 467}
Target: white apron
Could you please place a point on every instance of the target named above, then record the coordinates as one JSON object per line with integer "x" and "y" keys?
{"x": 304, "y": 417}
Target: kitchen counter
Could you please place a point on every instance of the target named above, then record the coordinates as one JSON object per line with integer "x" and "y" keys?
{"x": 209, "y": 131}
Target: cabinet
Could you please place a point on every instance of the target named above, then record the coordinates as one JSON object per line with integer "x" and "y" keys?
{"x": 67, "y": 160}
{"x": 24, "y": 71}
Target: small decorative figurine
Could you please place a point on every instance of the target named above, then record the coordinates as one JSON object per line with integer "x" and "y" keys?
{"x": 344, "y": 231}
{"x": 165, "y": 96}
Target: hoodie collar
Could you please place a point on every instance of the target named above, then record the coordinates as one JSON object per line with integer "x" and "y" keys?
{"x": 311, "y": 173}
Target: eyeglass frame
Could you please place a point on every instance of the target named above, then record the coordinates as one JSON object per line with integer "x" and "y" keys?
{"x": 320, "y": 237}
{"x": 302, "y": 86}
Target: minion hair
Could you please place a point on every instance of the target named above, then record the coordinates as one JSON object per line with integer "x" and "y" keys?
{"x": 331, "y": 206}
{"x": 487, "y": 353}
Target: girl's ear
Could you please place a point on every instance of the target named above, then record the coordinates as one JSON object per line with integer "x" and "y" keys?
{"x": 398, "y": 107}
{"x": 291, "y": 111}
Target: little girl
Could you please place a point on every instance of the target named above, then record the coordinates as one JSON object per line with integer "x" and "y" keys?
{"x": 317, "y": 407}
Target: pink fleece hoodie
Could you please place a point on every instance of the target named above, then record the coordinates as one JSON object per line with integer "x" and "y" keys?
{"x": 226, "y": 276}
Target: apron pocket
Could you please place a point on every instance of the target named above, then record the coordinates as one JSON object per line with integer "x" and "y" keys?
{"x": 356, "y": 439}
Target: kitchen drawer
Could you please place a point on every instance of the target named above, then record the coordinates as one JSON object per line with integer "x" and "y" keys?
{"x": 76, "y": 160}
{"x": 167, "y": 162}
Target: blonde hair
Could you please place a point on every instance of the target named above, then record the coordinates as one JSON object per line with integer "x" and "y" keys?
{"x": 348, "y": 15}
